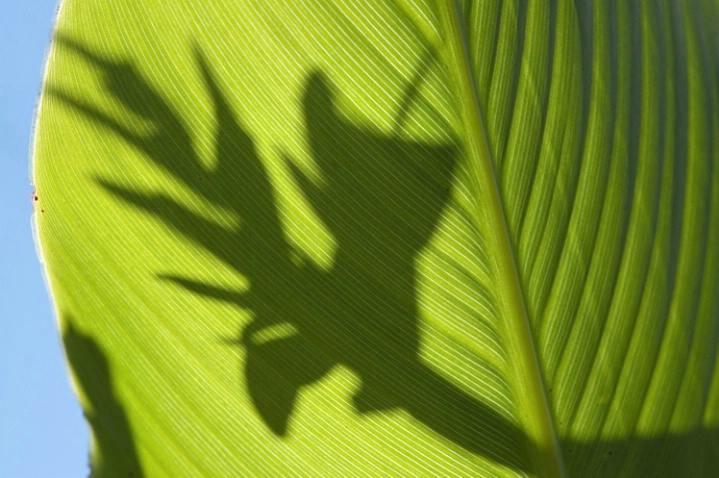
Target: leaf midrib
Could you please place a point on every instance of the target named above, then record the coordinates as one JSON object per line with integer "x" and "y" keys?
{"x": 532, "y": 403}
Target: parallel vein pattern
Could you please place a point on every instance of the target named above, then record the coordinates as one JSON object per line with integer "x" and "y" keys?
{"x": 388, "y": 237}
{"x": 610, "y": 202}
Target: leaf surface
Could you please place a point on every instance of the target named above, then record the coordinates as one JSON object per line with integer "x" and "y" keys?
{"x": 387, "y": 238}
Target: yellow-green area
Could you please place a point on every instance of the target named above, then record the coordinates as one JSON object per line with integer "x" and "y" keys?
{"x": 431, "y": 238}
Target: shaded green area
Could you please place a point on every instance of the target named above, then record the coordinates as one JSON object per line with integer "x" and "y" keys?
{"x": 115, "y": 454}
{"x": 381, "y": 199}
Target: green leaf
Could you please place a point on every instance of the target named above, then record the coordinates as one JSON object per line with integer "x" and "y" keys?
{"x": 387, "y": 238}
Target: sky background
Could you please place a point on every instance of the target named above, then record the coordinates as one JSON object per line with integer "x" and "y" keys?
{"x": 42, "y": 431}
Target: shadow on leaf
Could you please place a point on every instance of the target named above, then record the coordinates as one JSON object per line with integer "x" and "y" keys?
{"x": 114, "y": 453}
{"x": 381, "y": 198}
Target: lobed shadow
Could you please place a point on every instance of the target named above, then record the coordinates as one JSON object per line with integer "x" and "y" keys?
{"x": 115, "y": 453}
{"x": 381, "y": 198}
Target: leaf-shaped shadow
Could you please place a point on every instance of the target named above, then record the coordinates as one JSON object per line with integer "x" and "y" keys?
{"x": 381, "y": 198}
{"x": 115, "y": 453}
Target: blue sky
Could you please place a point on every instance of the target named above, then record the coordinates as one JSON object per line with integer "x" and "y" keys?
{"x": 42, "y": 432}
